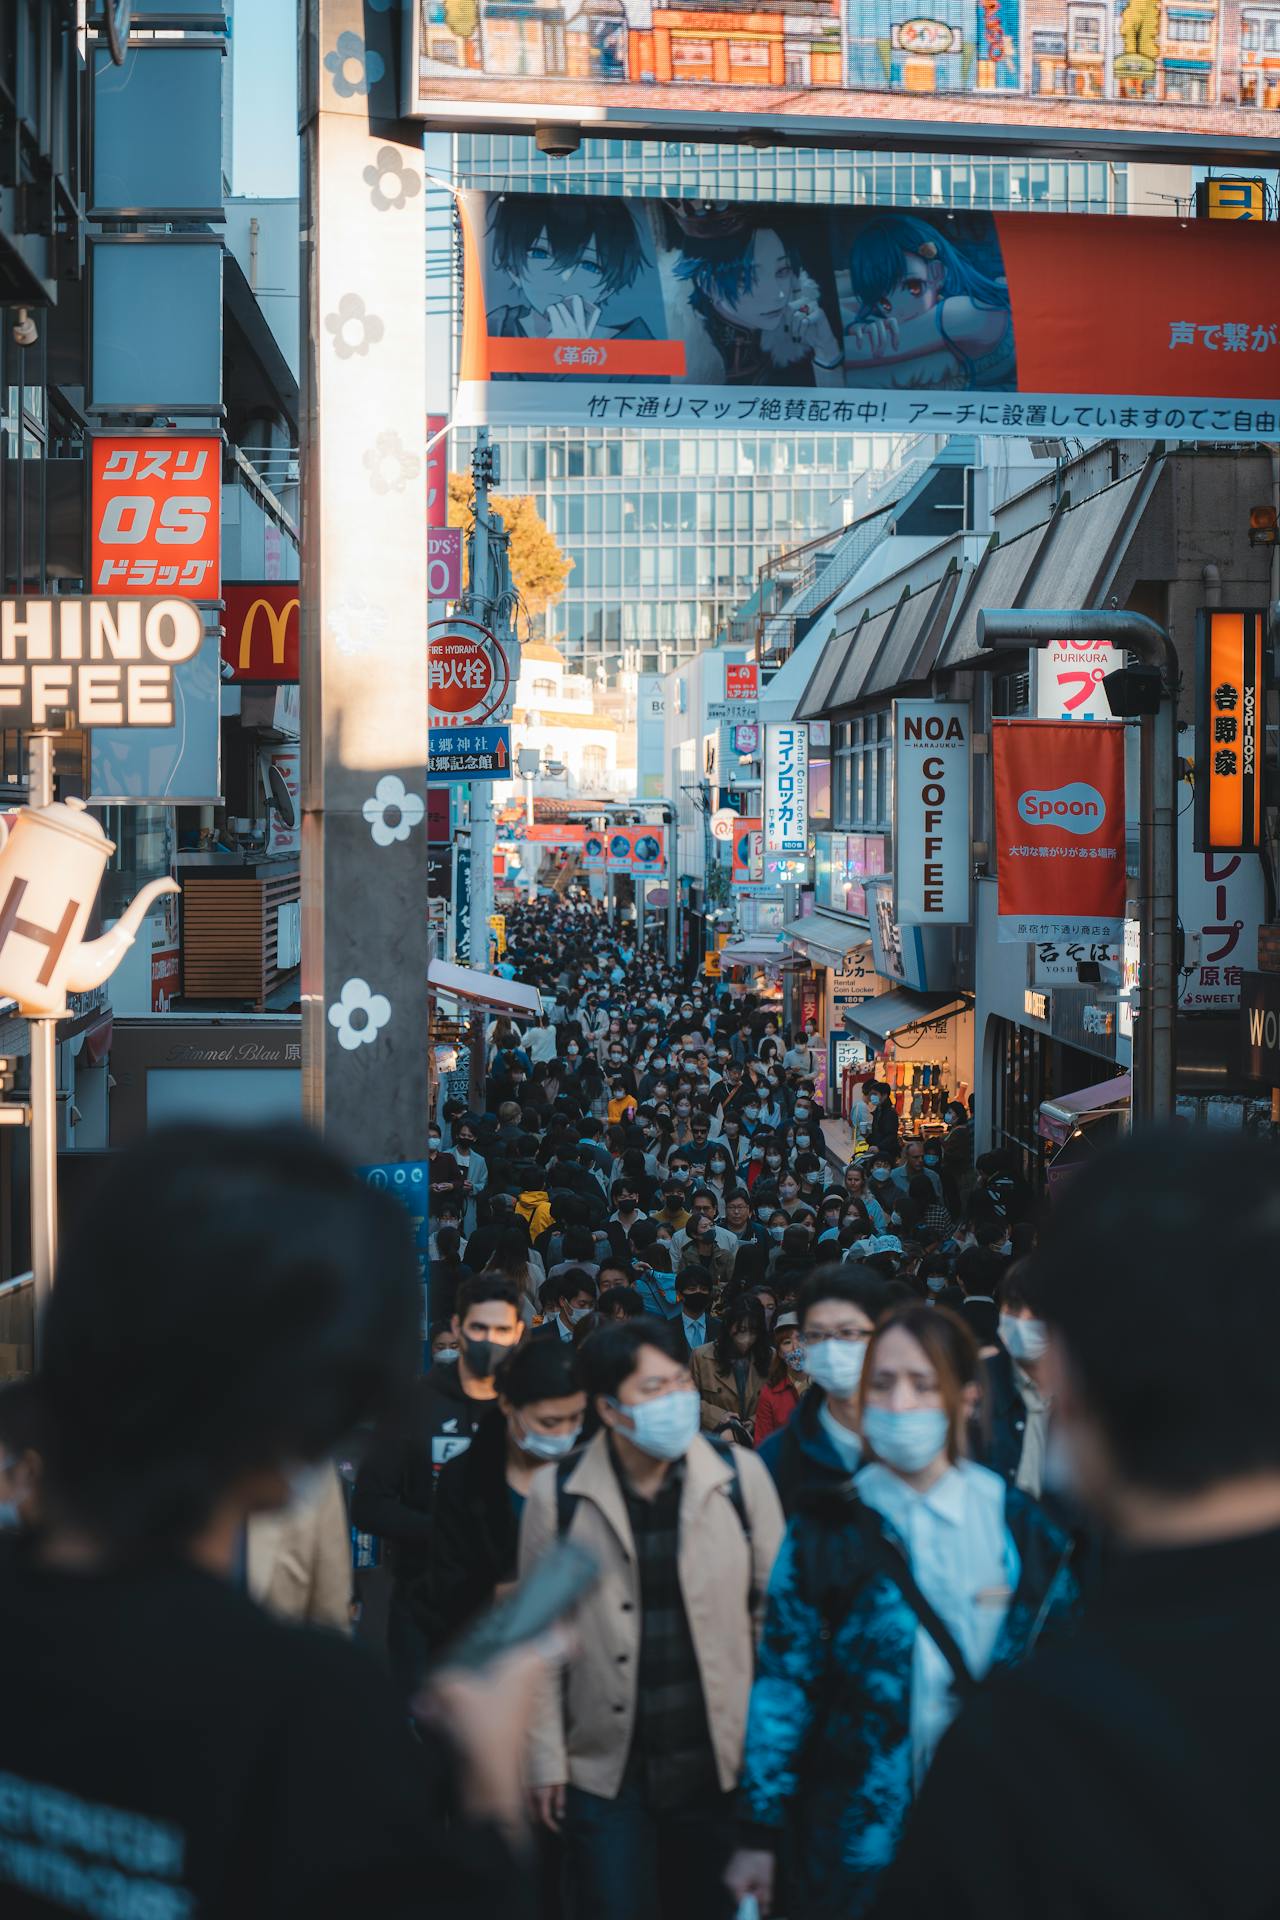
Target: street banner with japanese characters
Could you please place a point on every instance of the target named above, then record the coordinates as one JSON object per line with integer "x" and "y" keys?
{"x": 747, "y": 869}
{"x": 1060, "y": 838}
{"x": 157, "y": 515}
{"x": 636, "y": 850}
{"x": 634, "y": 311}
{"x": 1222, "y": 901}
{"x": 786, "y": 788}
{"x": 593, "y": 851}
{"x": 932, "y": 859}
{"x": 1229, "y": 685}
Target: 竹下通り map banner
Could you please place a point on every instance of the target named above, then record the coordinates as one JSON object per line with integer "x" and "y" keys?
{"x": 737, "y": 314}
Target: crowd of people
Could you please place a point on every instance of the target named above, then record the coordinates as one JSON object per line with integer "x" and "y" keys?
{"x": 933, "y": 1538}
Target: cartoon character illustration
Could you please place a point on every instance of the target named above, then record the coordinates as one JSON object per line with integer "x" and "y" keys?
{"x": 761, "y": 313}
{"x": 569, "y": 257}
{"x": 926, "y": 314}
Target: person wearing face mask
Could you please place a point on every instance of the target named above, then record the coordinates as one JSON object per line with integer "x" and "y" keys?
{"x": 695, "y": 1322}
{"x": 836, "y": 1308}
{"x": 395, "y": 1485}
{"x": 1012, "y": 1435}
{"x": 886, "y": 1609}
{"x": 472, "y": 1166}
{"x": 787, "y": 1382}
{"x": 882, "y": 1129}
{"x": 636, "y": 1758}
{"x": 730, "y": 1370}
{"x": 566, "y": 1299}
{"x": 536, "y": 1418}
{"x": 789, "y": 1197}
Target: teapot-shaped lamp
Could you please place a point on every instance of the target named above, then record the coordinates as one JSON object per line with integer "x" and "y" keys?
{"x": 52, "y": 860}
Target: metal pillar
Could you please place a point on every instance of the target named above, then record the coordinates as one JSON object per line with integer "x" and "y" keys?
{"x": 1154, "y": 1042}
{"x": 364, "y": 589}
{"x": 43, "y": 1031}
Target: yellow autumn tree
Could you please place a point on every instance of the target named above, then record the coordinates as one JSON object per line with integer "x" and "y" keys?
{"x": 539, "y": 566}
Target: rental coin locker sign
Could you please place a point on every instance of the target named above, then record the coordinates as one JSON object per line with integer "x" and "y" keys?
{"x": 1060, "y": 841}
{"x": 931, "y": 824}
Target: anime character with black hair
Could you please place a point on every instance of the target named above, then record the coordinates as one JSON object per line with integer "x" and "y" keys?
{"x": 926, "y": 313}
{"x": 569, "y": 257}
{"x": 761, "y": 310}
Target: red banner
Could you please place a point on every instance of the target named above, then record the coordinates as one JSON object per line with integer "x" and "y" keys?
{"x": 748, "y": 852}
{"x": 438, "y": 472}
{"x": 261, "y": 629}
{"x": 1059, "y": 792}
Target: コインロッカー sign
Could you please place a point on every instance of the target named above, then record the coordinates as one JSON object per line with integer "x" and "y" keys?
{"x": 109, "y": 662}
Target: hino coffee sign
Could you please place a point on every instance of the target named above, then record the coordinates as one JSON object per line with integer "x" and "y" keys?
{"x": 931, "y": 830}
{"x": 107, "y": 662}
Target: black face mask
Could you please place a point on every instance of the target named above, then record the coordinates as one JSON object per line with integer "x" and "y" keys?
{"x": 483, "y": 1357}
{"x": 695, "y": 1304}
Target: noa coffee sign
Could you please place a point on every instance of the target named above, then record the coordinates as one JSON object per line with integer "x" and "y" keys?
{"x": 470, "y": 674}
{"x": 931, "y": 828}
{"x": 92, "y": 661}
{"x": 1260, "y": 1022}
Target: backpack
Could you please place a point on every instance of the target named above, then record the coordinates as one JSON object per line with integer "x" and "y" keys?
{"x": 534, "y": 1208}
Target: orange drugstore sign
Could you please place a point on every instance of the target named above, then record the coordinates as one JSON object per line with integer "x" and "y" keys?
{"x": 1229, "y": 688}
{"x": 262, "y": 630}
{"x": 157, "y": 515}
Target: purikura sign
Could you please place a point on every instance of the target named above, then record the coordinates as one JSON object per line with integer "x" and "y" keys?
{"x": 1059, "y": 791}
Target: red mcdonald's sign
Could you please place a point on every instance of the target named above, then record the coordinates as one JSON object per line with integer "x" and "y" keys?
{"x": 261, "y": 629}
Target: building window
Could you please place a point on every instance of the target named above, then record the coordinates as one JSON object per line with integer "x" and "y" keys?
{"x": 544, "y": 689}
{"x": 595, "y": 763}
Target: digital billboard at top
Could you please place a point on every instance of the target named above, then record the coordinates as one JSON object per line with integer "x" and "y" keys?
{"x": 952, "y": 75}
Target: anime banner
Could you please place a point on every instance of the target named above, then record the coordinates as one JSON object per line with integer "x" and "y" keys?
{"x": 1060, "y": 839}
{"x": 636, "y": 850}
{"x": 870, "y": 319}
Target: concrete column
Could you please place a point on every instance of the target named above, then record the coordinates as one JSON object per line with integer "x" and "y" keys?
{"x": 364, "y": 588}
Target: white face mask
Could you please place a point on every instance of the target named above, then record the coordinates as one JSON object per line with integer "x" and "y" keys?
{"x": 906, "y": 1441}
{"x": 545, "y": 1446}
{"x": 578, "y": 1313}
{"x": 665, "y": 1428}
{"x": 1023, "y": 1339}
{"x": 835, "y": 1365}
{"x": 447, "y": 1357}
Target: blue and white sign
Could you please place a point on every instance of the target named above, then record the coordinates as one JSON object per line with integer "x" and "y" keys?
{"x": 469, "y": 753}
{"x": 786, "y": 788}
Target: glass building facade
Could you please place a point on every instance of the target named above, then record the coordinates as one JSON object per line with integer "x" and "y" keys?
{"x": 667, "y": 528}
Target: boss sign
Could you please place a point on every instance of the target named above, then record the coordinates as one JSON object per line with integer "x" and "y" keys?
{"x": 932, "y": 851}
{"x": 157, "y": 515}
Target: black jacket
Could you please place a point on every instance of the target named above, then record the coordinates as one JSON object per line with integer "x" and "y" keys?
{"x": 801, "y": 1457}
{"x": 677, "y": 1327}
{"x": 1001, "y": 1426}
{"x": 395, "y": 1487}
{"x": 475, "y": 1534}
{"x": 1133, "y": 1767}
{"x": 982, "y": 1317}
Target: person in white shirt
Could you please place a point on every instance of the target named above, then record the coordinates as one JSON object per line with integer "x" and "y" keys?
{"x": 566, "y": 1299}
{"x": 798, "y": 1057}
{"x": 884, "y": 1612}
{"x": 540, "y": 1040}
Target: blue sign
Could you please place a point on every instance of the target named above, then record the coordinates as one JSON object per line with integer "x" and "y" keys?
{"x": 469, "y": 753}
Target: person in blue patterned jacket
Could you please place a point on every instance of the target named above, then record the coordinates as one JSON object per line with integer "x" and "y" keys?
{"x": 893, "y": 1595}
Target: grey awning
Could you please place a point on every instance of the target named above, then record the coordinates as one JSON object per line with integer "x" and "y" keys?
{"x": 826, "y": 937}
{"x": 891, "y": 1012}
{"x": 753, "y": 950}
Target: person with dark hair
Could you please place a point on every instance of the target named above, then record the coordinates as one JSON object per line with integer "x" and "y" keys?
{"x": 787, "y": 1381}
{"x": 762, "y": 311}
{"x": 730, "y": 1370}
{"x": 1010, "y": 1432}
{"x": 621, "y": 1303}
{"x": 230, "y": 1308}
{"x": 837, "y": 1309}
{"x": 395, "y": 1486}
{"x": 883, "y": 1130}
{"x": 1144, "y": 1746}
{"x": 890, "y": 1599}
{"x": 927, "y": 312}
{"x": 979, "y": 1272}
{"x": 480, "y": 1494}
{"x": 639, "y": 1753}
{"x": 695, "y": 1321}
{"x": 566, "y": 1299}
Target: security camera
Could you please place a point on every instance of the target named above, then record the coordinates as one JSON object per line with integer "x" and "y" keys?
{"x": 559, "y": 142}
{"x": 226, "y": 670}
{"x": 25, "y": 332}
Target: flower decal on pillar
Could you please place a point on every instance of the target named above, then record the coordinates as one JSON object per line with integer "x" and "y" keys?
{"x": 359, "y": 1014}
{"x": 392, "y": 811}
{"x": 355, "y": 67}
{"x": 393, "y": 184}
{"x": 390, "y": 465}
{"x": 354, "y": 330}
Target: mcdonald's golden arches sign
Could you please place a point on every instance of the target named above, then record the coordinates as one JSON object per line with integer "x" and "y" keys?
{"x": 261, "y": 629}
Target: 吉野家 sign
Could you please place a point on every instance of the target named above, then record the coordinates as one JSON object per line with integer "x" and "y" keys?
{"x": 931, "y": 827}
{"x": 157, "y": 515}
{"x": 1059, "y": 794}
{"x": 261, "y": 630}
{"x": 109, "y": 662}
{"x": 646, "y": 311}
{"x": 786, "y": 788}
{"x": 470, "y": 674}
{"x": 1229, "y": 685}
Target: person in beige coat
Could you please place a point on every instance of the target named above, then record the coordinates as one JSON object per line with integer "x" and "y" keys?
{"x": 298, "y": 1558}
{"x": 637, "y": 1757}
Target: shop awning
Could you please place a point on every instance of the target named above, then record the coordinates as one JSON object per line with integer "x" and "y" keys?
{"x": 1059, "y": 1118}
{"x": 753, "y": 950}
{"x": 891, "y": 1012}
{"x": 825, "y": 937}
{"x": 483, "y": 989}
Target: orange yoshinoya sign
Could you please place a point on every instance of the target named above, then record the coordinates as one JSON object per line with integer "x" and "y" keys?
{"x": 743, "y": 314}
{"x": 261, "y": 629}
{"x": 1229, "y": 730}
{"x": 1060, "y": 834}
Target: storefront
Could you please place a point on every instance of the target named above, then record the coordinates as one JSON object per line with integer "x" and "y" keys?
{"x": 920, "y": 1046}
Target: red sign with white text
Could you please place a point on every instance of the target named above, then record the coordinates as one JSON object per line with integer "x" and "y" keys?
{"x": 157, "y": 515}
{"x": 742, "y": 682}
{"x": 1060, "y": 840}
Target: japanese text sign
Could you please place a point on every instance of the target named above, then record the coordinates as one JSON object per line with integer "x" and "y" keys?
{"x": 742, "y": 682}
{"x": 786, "y": 788}
{"x": 157, "y": 515}
{"x": 1222, "y": 901}
{"x": 470, "y": 674}
{"x": 1069, "y": 676}
{"x": 444, "y": 563}
{"x": 1228, "y": 729}
{"x": 931, "y": 827}
{"x": 748, "y": 853}
{"x": 1060, "y": 838}
{"x": 636, "y": 850}
{"x": 261, "y": 629}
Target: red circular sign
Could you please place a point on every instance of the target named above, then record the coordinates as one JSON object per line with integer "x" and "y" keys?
{"x": 468, "y": 676}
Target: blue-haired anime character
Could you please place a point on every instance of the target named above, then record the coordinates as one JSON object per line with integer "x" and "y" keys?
{"x": 761, "y": 310}
{"x": 926, "y": 314}
{"x": 569, "y": 256}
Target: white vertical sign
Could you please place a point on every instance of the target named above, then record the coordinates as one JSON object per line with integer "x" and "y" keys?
{"x": 786, "y": 788}
{"x": 1069, "y": 676}
{"x": 932, "y": 852}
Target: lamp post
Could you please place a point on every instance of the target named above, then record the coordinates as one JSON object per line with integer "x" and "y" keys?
{"x": 1150, "y": 692}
